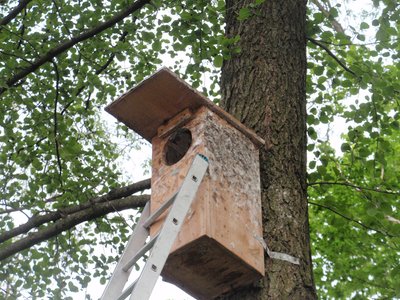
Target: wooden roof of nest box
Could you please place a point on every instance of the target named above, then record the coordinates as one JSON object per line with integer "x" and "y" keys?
{"x": 160, "y": 97}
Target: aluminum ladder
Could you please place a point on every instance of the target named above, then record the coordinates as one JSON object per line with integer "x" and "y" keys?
{"x": 160, "y": 245}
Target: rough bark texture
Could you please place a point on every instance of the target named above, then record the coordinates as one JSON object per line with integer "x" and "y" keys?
{"x": 264, "y": 87}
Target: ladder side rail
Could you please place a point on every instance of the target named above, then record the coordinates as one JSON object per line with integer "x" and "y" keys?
{"x": 170, "y": 230}
{"x": 136, "y": 241}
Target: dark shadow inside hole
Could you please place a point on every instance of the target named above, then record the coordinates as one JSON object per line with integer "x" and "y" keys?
{"x": 177, "y": 145}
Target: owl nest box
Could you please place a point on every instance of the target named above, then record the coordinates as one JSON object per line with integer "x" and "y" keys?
{"x": 218, "y": 248}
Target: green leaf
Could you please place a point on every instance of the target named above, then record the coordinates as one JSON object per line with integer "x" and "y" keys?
{"x": 186, "y": 15}
{"x": 156, "y": 45}
{"x": 364, "y": 152}
{"x": 244, "y": 14}
{"x": 345, "y": 147}
{"x": 319, "y": 70}
{"x": 312, "y": 133}
{"x": 72, "y": 287}
{"x": 364, "y": 25}
{"x": 218, "y": 61}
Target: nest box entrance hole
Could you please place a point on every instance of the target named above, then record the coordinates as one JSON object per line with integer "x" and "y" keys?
{"x": 177, "y": 145}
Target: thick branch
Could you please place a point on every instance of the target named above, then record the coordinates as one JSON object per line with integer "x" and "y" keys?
{"x": 353, "y": 186}
{"x": 73, "y": 41}
{"x": 72, "y": 220}
{"x": 21, "y": 5}
{"x": 350, "y": 219}
{"x": 331, "y": 55}
{"x": 38, "y": 220}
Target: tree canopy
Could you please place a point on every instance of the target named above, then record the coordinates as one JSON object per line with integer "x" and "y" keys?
{"x": 62, "y": 180}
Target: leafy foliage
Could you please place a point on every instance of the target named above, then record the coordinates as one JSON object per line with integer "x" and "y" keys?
{"x": 57, "y": 150}
{"x": 354, "y": 187}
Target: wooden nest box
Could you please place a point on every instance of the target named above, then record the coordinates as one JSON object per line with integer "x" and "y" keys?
{"x": 218, "y": 248}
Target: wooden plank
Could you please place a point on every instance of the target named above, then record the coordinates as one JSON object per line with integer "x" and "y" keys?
{"x": 159, "y": 98}
{"x": 174, "y": 123}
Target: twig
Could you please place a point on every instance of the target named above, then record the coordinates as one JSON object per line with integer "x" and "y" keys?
{"x": 332, "y": 55}
{"x": 21, "y": 38}
{"x": 14, "y": 55}
{"x": 112, "y": 56}
{"x": 31, "y": 146}
{"x": 353, "y": 186}
{"x": 61, "y": 17}
{"x": 73, "y": 41}
{"x": 22, "y": 29}
{"x": 336, "y": 25}
{"x": 57, "y": 144}
{"x": 355, "y": 44}
{"x": 352, "y": 220}
{"x": 11, "y": 210}
{"x": 97, "y": 72}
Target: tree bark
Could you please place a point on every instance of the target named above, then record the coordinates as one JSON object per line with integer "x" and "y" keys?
{"x": 264, "y": 86}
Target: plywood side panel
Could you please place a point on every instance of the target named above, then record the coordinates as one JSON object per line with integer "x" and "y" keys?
{"x": 166, "y": 180}
{"x": 235, "y": 191}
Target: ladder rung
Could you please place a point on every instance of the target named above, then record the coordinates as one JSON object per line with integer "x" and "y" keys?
{"x": 128, "y": 290}
{"x": 140, "y": 253}
{"x": 154, "y": 216}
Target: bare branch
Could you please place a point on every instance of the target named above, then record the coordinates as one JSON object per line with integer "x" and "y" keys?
{"x": 38, "y": 220}
{"x": 361, "y": 188}
{"x": 73, "y": 41}
{"x": 22, "y": 39}
{"x": 332, "y": 55}
{"x": 22, "y": 30}
{"x": 335, "y": 24}
{"x": 10, "y": 210}
{"x": 112, "y": 56}
{"x": 392, "y": 219}
{"x": 61, "y": 17}
{"x": 352, "y": 220}
{"x": 31, "y": 146}
{"x": 21, "y": 5}
{"x": 355, "y": 44}
{"x": 97, "y": 72}
{"x": 14, "y": 55}
{"x": 55, "y": 125}
{"x": 72, "y": 220}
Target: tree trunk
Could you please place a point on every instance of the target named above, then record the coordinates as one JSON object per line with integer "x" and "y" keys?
{"x": 265, "y": 87}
